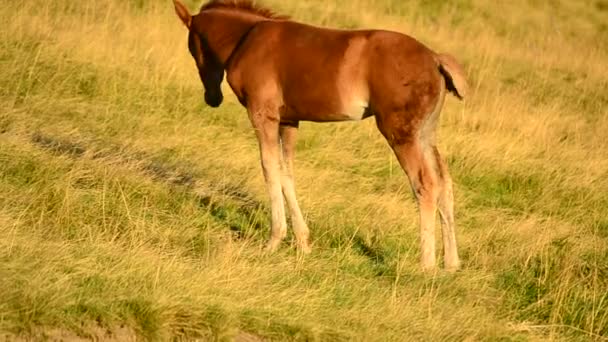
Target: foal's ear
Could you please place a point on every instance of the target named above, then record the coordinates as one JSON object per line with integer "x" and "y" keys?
{"x": 182, "y": 13}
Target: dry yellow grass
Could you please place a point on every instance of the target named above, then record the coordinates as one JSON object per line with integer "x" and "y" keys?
{"x": 126, "y": 201}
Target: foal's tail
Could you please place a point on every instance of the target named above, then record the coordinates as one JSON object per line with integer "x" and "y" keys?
{"x": 453, "y": 73}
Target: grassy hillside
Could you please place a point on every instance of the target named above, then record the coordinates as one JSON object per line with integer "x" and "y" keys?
{"x": 130, "y": 210}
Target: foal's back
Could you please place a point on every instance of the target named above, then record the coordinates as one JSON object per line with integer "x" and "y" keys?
{"x": 319, "y": 74}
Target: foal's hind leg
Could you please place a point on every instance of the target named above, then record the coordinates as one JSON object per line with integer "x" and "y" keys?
{"x": 288, "y": 143}
{"x": 415, "y": 160}
{"x": 446, "y": 212}
{"x": 411, "y": 136}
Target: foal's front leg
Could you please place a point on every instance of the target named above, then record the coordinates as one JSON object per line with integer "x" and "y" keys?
{"x": 288, "y": 143}
{"x": 266, "y": 126}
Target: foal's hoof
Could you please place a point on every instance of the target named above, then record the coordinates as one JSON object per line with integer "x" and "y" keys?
{"x": 452, "y": 267}
{"x": 304, "y": 247}
{"x": 272, "y": 246}
{"x": 429, "y": 269}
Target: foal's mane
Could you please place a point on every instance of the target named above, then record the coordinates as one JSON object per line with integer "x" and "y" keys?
{"x": 248, "y": 6}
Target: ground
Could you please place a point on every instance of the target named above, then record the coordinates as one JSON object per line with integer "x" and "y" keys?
{"x": 129, "y": 208}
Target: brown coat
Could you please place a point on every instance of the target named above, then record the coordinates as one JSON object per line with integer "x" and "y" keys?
{"x": 284, "y": 72}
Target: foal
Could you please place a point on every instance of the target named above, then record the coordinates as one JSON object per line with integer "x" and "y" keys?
{"x": 284, "y": 72}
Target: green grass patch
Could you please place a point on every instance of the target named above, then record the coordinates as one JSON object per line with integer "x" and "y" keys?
{"x": 129, "y": 207}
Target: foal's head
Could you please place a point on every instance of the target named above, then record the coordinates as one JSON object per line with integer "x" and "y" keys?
{"x": 210, "y": 69}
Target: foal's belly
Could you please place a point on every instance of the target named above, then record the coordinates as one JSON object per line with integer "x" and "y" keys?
{"x": 341, "y": 101}
{"x": 354, "y": 111}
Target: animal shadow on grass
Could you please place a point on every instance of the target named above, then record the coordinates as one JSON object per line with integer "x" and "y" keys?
{"x": 367, "y": 249}
{"x": 227, "y": 203}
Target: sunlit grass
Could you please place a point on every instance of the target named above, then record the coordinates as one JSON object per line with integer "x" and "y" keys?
{"x": 129, "y": 208}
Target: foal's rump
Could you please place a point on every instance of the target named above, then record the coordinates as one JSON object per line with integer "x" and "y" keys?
{"x": 397, "y": 57}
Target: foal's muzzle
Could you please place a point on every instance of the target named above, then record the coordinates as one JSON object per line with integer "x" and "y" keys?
{"x": 214, "y": 99}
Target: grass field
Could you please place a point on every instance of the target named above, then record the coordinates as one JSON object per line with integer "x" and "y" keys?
{"x": 130, "y": 210}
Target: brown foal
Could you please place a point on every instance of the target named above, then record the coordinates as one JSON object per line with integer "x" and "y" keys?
{"x": 284, "y": 72}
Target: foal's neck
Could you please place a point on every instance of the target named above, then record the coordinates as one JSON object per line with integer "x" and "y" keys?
{"x": 225, "y": 29}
